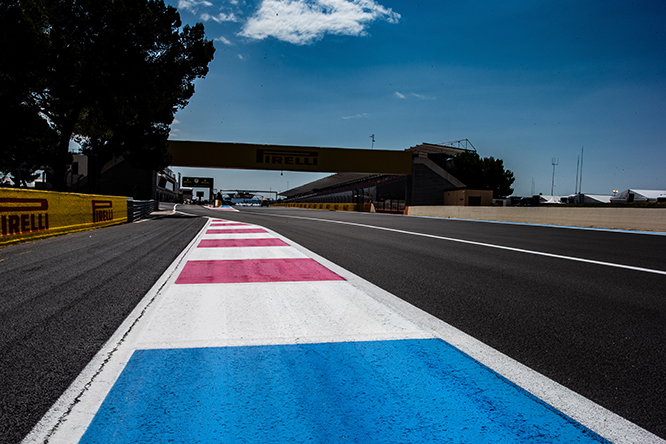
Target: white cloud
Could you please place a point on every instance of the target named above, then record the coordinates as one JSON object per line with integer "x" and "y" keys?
{"x": 422, "y": 97}
{"x": 303, "y": 22}
{"x": 414, "y": 95}
{"x": 224, "y": 40}
{"x": 192, "y": 5}
{"x": 220, "y": 18}
{"x": 174, "y": 131}
{"x": 357, "y": 116}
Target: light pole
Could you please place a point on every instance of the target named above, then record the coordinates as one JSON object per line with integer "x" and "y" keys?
{"x": 554, "y": 161}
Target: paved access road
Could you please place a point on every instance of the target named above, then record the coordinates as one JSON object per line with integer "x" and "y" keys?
{"x": 590, "y": 313}
{"x": 62, "y": 298}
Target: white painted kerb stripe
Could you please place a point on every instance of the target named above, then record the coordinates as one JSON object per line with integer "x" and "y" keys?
{"x": 228, "y": 315}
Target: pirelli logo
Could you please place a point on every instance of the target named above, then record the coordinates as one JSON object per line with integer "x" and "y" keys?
{"x": 287, "y": 157}
{"x": 23, "y": 215}
{"x": 102, "y": 210}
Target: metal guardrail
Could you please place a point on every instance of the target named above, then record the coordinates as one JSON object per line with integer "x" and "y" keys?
{"x": 140, "y": 209}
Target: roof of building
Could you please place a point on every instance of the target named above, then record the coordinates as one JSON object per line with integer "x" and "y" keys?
{"x": 588, "y": 198}
{"x": 338, "y": 179}
{"x": 327, "y": 182}
{"x": 652, "y": 194}
{"x": 450, "y": 148}
{"x": 639, "y": 195}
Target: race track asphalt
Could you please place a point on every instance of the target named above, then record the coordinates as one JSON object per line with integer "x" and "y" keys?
{"x": 62, "y": 298}
{"x": 596, "y": 329}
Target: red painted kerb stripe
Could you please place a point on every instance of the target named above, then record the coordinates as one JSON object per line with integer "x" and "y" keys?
{"x": 236, "y": 231}
{"x": 255, "y": 270}
{"x": 222, "y": 243}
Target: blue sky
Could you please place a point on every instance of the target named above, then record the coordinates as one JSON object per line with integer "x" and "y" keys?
{"x": 524, "y": 81}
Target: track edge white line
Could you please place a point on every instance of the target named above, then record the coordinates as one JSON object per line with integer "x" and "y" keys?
{"x": 602, "y": 421}
{"x": 58, "y": 413}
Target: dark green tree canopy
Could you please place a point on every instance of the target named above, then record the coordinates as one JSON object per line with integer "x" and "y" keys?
{"x": 28, "y": 140}
{"x": 479, "y": 173}
{"x": 110, "y": 74}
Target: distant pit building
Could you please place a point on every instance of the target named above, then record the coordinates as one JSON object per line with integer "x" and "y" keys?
{"x": 429, "y": 184}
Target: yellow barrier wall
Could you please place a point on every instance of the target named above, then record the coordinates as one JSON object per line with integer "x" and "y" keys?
{"x": 31, "y": 214}
{"x": 328, "y": 206}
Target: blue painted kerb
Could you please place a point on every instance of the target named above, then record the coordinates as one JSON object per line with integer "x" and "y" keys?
{"x": 403, "y": 391}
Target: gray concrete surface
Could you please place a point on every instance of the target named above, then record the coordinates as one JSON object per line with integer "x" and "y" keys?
{"x": 636, "y": 219}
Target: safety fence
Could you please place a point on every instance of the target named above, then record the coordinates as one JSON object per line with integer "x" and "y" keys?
{"x": 394, "y": 206}
{"x": 140, "y": 209}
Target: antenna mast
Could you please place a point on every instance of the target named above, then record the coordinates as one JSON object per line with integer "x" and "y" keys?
{"x": 577, "y": 172}
{"x": 580, "y": 183}
{"x": 533, "y": 188}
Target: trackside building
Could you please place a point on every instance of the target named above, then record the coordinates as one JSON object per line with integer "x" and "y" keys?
{"x": 429, "y": 184}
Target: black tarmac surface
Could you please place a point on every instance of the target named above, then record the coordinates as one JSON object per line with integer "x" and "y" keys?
{"x": 598, "y": 330}
{"x": 62, "y": 298}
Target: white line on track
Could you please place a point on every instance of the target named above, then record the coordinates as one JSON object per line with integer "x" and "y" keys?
{"x": 110, "y": 359}
{"x": 80, "y": 402}
{"x": 608, "y": 424}
{"x": 482, "y": 244}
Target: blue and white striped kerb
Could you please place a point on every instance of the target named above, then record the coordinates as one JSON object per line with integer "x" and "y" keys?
{"x": 402, "y": 391}
{"x": 253, "y": 339}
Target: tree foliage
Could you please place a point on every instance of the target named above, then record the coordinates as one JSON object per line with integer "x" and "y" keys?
{"x": 28, "y": 141}
{"x": 110, "y": 74}
{"x": 485, "y": 173}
